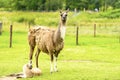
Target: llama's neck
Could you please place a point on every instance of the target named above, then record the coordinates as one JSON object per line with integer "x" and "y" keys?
{"x": 62, "y": 29}
{"x": 60, "y": 33}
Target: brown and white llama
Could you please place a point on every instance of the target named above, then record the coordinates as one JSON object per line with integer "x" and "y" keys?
{"x": 27, "y": 72}
{"x": 48, "y": 41}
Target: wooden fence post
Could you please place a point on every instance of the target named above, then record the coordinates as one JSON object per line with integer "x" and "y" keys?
{"x": 0, "y": 28}
{"x": 119, "y": 37}
{"x": 77, "y": 34}
{"x": 10, "y": 36}
{"x": 94, "y": 30}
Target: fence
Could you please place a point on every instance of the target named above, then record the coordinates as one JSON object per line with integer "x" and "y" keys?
{"x": 11, "y": 29}
{"x": 92, "y": 29}
{"x": 0, "y": 28}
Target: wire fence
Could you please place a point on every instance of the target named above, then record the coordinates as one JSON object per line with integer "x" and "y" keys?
{"x": 95, "y": 30}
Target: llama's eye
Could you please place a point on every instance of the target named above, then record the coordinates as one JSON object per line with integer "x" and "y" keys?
{"x": 66, "y": 14}
{"x": 61, "y": 14}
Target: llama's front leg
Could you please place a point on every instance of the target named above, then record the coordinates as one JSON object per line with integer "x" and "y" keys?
{"x": 55, "y": 64}
{"x": 30, "y": 56}
{"x": 51, "y": 63}
{"x": 37, "y": 55}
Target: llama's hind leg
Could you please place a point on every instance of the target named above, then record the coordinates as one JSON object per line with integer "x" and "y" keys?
{"x": 51, "y": 63}
{"x": 37, "y": 56}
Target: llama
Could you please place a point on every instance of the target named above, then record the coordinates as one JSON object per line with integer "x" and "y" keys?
{"x": 28, "y": 72}
{"x": 48, "y": 40}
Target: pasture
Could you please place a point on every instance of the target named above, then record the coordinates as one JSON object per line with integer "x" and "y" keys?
{"x": 95, "y": 58}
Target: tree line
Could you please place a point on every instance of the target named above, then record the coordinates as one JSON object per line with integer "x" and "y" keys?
{"x": 52, "y": 5}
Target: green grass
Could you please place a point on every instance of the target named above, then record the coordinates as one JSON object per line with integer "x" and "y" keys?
{"x": 93, "y": 59}
{"x": 52, "y": 18}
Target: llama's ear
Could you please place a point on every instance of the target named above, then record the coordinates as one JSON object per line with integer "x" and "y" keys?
{"x": 60, "y": 11}
{"x": 67, "y": 10}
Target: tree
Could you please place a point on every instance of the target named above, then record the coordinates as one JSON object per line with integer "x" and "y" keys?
{"x": 18, "y": 4}
{"x": 41, "y": 5}
{"x": 116, "y": 4}
{"x": 78, "y": 4}
{"x": 53, "y": 5}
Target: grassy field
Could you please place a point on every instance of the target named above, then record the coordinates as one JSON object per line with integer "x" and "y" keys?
{"x": 52, "y": 18}
{"x": 93, "y": 59}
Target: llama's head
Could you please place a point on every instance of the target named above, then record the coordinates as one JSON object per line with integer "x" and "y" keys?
{"x": 63, "y": 16}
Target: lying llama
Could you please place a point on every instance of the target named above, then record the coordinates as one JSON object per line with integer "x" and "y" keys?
{"x": 48, "y": 41}
{"x": 27, "y": 72}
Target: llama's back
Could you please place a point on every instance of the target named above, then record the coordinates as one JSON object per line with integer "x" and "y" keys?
{"x": 42, "y": 37}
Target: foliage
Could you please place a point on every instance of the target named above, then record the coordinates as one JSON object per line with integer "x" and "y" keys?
{"x": 37, "y": 5}
{"x": 117, "y": 4}
{"x": 52, "y": 5}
